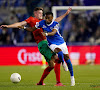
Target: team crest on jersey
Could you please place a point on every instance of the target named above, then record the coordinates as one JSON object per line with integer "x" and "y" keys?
{"x": 37, "y": 24}
{"x": 44, "y": 26}
{"x": 51, "y": 28}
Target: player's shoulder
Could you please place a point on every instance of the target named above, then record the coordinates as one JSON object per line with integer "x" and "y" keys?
{"x": 56, "y": 22}
{"x": 31, "y": 17}
{"x": 43, "y": 21}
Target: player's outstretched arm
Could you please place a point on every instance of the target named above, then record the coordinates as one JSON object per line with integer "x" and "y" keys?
{"x": 15, "y": 25}
{"x": 62, "y": 16}
{"x": 31, "y": 29}
{"x": 50, "y": 33}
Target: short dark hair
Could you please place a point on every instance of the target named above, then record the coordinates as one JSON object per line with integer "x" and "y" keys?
{"x": 38, "y": 8}
{"x": 49, "y": 13}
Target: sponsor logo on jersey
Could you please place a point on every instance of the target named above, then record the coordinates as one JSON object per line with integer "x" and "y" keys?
{"x": 44, "y": 26}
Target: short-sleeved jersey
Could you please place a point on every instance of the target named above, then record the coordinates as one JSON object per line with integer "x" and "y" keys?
{"x": 55, "y": 39}
{"x": 38, "y": 36}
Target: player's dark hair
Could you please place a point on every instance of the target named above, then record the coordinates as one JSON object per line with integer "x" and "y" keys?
{"x": 38, "y": 8}
{"x": 49, "y": 13}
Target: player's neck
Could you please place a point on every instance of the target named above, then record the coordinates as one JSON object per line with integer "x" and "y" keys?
{"x": 50, "y": 23}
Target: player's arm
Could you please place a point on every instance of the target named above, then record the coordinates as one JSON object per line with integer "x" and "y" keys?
{"x": 50, "y": 33}
{"x": 15, "y": 25}
{"x": 62, "y": 16}
{"x": 31, "y": 29}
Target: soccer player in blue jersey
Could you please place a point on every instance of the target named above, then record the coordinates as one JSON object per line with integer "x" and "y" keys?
{"x": 55, "y": 40}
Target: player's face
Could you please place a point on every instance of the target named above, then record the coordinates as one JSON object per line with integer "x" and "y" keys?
{"x": 48, "y": 18}
{"x": 38, "y": 14}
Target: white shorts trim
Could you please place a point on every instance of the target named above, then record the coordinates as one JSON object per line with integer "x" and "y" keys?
{"x": 63, "y": 47}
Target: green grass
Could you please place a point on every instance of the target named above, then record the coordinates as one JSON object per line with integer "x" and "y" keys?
{"x": 87, "y": 78}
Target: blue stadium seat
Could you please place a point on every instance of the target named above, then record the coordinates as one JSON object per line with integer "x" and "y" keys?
{"x": 6, "y": 4}
{"x": 19, "y": 3}
{"x": 0, "y": 31}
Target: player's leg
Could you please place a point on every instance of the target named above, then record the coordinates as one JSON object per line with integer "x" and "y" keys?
{"x": 46, "y": 72}
{"x": 46, "y": 51}
{"x": 57, "y": 72}
{"x": 57, "y": 50}
{"x": 44, "y": 75}
{"x": 70, "y": 67}
{"x": 60, "y": 54}
{"x": 69, "y": 64}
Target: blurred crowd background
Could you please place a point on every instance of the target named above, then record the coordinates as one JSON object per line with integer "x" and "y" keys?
{"x": 77, "y": 27}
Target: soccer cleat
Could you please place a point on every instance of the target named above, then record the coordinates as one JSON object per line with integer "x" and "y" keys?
{"x": 65, "y": 66}
{"x": 72, "y": 81}
{"x": 40, "y": 84}
{"x": 59, "y": 84}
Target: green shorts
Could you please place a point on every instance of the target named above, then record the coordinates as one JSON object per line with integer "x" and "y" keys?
{"x": 45, "y": 50}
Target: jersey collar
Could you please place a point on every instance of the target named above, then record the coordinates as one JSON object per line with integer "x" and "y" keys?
{"x": 50, "y": 23}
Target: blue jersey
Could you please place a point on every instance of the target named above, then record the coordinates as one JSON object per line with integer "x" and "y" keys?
{"x": 57, "y": 38}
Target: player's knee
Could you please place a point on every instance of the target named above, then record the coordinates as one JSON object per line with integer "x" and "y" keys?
{"x": 51, "y": 63}
{"x": 55, "y": 57}
{"x": 57, "y": 50}
{"x": 66, "y": 57}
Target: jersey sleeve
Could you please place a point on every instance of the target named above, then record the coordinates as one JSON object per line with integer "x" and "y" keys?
{"x": 56, "y": 26}
{"x": 39, "y": 24}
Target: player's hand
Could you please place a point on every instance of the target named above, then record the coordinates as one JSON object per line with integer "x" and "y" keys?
{"x": 43, "y": 34}
{"x": 21, "y": 27}
{"x": 3, "y": 26}
{"x": 69, "y": 10}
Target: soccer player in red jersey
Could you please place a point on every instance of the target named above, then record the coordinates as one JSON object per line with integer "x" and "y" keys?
{"x": 38, "y": 12}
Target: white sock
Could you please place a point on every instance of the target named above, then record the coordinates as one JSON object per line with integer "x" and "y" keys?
{"x": 72, "y": 77}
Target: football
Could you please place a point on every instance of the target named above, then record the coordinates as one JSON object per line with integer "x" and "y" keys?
{"x": 15, "y": 77}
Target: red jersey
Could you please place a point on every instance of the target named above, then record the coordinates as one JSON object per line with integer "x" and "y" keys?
{"x": 37, "y": 33}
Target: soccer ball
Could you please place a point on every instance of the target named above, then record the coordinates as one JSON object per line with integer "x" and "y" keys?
{"x": 15, "y": 78}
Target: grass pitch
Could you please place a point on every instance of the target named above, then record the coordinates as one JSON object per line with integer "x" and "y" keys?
{"x": 87, "y": 78}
